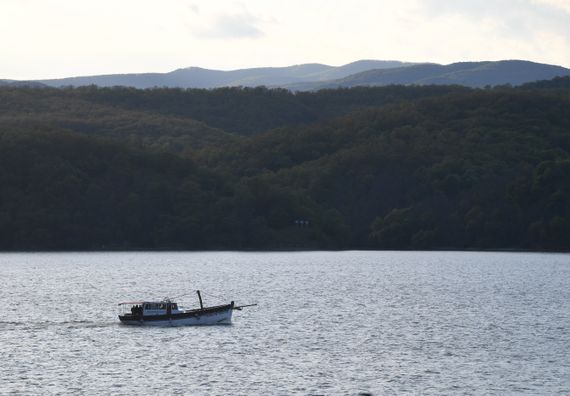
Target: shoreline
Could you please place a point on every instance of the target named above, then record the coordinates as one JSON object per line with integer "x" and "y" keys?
{"x": 166, "y": 250}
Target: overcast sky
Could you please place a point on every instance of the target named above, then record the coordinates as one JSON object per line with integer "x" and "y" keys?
{"x": 57, "y": 38}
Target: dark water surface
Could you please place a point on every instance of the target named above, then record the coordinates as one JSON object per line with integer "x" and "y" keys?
{"x": 327, "y": 323}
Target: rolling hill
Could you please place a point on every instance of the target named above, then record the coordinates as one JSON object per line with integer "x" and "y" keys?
{"x": 196, "y": 77}
{"x": 314, "y": 76}
{"x": 470, "y": 74}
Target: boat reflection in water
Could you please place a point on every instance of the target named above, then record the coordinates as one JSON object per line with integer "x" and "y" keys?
{"x": 168, "y": 313}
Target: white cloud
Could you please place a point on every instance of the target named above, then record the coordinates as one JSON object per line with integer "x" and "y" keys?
{"x": 507, "y": 28}
{"x": 560, "y": 4}
{"x": 194, "y": 8}
{"x": 229, "y": 26}
{"x": 517, "y": 17}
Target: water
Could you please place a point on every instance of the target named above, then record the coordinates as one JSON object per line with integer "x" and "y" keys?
{"x": 327, "y": 323}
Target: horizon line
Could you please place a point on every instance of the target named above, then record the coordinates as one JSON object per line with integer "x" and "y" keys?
{"x": 104, "y": 74}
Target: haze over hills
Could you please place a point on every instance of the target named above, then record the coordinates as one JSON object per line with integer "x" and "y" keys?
{"x": 196, "y": 77}
{"x": 470, "y": 74}
{"x": 315, "y": 76}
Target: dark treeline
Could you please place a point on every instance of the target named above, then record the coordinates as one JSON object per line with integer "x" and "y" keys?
{"x": 391, "y": 168}
{"x": 243, "y": 111}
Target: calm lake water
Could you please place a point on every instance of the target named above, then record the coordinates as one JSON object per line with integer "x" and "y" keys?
{"x": 327, "y": 323}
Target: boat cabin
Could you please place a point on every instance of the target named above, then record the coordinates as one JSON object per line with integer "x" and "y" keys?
{"x": 148, "y": 308}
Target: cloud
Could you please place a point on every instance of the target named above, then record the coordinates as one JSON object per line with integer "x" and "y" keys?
{"x": 195, "y": 8}
{"x": 238, "y": 25}
{"x": 560, "y": 4}
{"x": 523, "y": 20}
{"x": 518, "y": 16}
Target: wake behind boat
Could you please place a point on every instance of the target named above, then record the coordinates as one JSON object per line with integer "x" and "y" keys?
{"x": 168, "y": 313}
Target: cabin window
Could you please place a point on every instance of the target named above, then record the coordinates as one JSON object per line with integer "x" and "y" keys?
{"x": 147, "y": 306}
{"x": 174, "y": 306}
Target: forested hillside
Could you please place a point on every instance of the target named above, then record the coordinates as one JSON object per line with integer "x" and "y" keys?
{"x": 390, "y": 168}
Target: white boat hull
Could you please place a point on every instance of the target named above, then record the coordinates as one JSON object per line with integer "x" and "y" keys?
{"x": 216, "y": 318}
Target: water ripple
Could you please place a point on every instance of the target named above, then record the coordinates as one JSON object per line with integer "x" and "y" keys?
{"x": 327, "y": 323}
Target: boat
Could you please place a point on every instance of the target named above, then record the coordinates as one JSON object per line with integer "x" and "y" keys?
{"x": 167, "y": 313}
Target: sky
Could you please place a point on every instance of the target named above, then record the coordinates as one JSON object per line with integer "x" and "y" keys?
{"x": 62, "y": 38}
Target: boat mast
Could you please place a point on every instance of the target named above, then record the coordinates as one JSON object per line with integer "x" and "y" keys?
{"x": 200, "y": 298}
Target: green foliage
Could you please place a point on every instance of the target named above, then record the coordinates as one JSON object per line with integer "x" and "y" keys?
{"x": 391, "y": 168}
{"x": 242, "y": 111}
{"x": 451, "y": 172}
{"x": 562, "y": 83}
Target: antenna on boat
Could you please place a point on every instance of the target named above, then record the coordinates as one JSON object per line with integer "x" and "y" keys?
{"x": 200, "y": 298}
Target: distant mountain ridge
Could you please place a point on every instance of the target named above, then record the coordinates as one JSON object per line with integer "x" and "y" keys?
{"x": 315, "y": 76}
{"x": 470, "y": 74}
{"x": 196, "y": 77}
